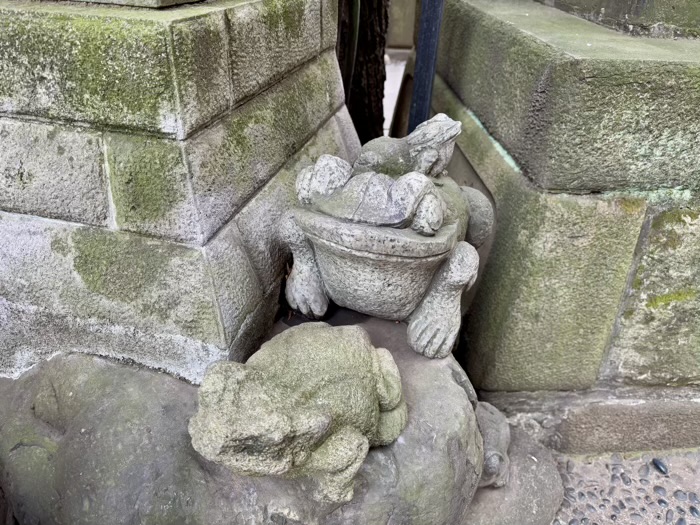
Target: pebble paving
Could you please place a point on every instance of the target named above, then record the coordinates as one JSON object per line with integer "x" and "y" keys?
{"x": 635, "y": 490}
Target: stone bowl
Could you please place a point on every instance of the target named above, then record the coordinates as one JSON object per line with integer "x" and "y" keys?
{"x": 383, "y": 272}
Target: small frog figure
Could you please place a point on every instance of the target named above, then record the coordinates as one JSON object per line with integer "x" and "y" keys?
{"x": 310, "y": 402}
{"x": 386, "y": 236}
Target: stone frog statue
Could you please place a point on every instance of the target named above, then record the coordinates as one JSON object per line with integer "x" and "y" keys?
{"x": 310, "y": 402}
{"x": 386, "y": 236}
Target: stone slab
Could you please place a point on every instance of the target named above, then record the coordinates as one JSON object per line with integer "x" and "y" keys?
{"x": 269, "y": 38}
{"x": 68, "y": 63}
{"x": 155, "y": 4}
{"x": 170, "y": 72}
{"x": 118, "y": 294}
{"x": 88, "y": 441}
{"x": 605, "y": 419}
{"x": 661, "y": 18}
{"x": 150, "y": 186}
{"x": 581, "y": 108}
{"x": 556, "y": 273}
{"x": 657, "y": 340}
{"x": 329, "y": 23}
{"x": 235, "y": 157}
{"x": 52, "y": 171}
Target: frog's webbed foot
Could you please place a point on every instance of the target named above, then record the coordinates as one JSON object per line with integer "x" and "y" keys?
{"x": 304, "y": 291}
{"x": 434, "y": 326}
{"x": 335, "y": 464}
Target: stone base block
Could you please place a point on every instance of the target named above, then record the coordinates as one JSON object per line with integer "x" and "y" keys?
{"x": 606, "y": 420}
{"x": 581, "y": 107}
{"x": 558, "y": 267}
{"x": 86, "y": 441}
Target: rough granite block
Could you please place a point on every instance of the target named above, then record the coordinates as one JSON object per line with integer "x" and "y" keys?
{"x": 329, "y": 23}
{"x": 258, "y": 221}
{"x": 660, "y": 18}
{"x": 52, "y": 171}
{"x": 657, "y": 341}
{"x": 622, "y": 419}
{"x": 75, "y": 64}
{"x": 200, "y": 60}
{"x": 347, "y": 130}
{"x": 556, "y": 273}
{"x": 240, "y": 153}
{"x": 126, "y": 279}
{"x": 581, "y": 108}
{"x": 150, "y": 189}
{"x": 236, "y": 286}
{"x": 269, "y": 38}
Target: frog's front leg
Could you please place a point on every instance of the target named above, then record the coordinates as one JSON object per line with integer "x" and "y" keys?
{"x": 304, "y": 291}
{"x": 434, "y": 325}
{"x": 335, "y": 463}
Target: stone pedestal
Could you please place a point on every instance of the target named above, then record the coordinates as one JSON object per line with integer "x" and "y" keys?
{"x": 587, "y": 140}
{"x": 146, "y": 157}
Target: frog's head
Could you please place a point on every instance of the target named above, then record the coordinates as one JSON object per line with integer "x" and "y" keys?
{"x": 432, "y": 143}
{"x": 244, "y": 423}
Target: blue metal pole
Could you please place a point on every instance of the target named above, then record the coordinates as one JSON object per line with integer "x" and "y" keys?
{"x": 426, "y": 61}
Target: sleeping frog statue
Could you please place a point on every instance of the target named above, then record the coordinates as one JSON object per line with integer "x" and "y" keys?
{"x": 310, "y": 402}
{"x": 392, "y": 236}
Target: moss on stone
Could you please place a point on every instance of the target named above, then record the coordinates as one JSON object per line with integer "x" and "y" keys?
{"x": 119, "y": 266}
{"x": 99, "y": 69}
{"x": 146, "y": 175}
{"x": 674, "y": 217}
{"x": 658, "y": 301}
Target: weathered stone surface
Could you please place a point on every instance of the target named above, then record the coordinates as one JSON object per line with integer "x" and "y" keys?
{"x": 30, "y": 334}
{"x": 625, "y": 419}
{"x": 309, "y": 403}
{"x": 661, "y": 18}
{"x": 556, "y": 273}
{"x": 78, "y": 276}
{"x": 329, "y": 23}
{"x": 202, "y": 69}
{"x": 579, "y": 113}
{"x": 269, "y": 38}
{"x": 402, "y": 20}
{"x": 657, "y": 341}
{"x": 170, "y": 72}
{"x": 533, "y": 494}
{"x": 239, "y": 154}
{"x": 349, "y": 134}
{"x": 255, "y": 327}
{"x": 258, "y": 221}
{"x": 235, "y": 284}
{"x": 59, "y": 62}
{"x": 52, "y": 171}
{"x": 86, "y": 441}
{"x": 150, "y": 189}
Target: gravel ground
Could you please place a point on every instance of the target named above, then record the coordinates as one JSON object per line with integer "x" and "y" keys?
{"x": 631, "y": 489}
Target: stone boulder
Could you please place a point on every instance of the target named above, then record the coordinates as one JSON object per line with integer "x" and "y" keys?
{"x": 85, "y": 440}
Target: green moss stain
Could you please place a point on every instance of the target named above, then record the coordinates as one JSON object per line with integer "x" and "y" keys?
{"x": 147, "y": 177}
{"x": 118, "y": 265}
{"x": 632, "y": 206}
{"x": 98, "y": 69}
{"x": 284, "y": 15}
{"x": 673, "y": 218}
{"x": 658, "y": 301}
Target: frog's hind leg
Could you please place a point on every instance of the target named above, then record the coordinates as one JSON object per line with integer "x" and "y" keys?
{"x": 335, "y": 463}
{"x": 433, "y": 327}
{"x": 304, "y": 291}
{"x": 391, "y": 424}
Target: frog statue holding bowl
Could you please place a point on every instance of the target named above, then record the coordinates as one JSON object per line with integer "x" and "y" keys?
{"x": 386, "y": 236}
